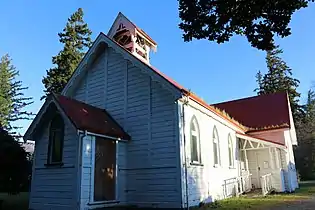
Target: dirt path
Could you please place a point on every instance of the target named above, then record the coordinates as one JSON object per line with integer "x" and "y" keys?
{"x": 296, "y": 205}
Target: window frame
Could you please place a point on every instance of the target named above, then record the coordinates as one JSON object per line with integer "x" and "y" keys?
{"x": 55, "y": 129}
{"x": 196, "y": 133}
{"x": 216, "y": 140}
{"x": 230, "y": 151}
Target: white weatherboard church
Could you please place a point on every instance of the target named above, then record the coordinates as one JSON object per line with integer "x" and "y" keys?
{"x": 122, "y": 133}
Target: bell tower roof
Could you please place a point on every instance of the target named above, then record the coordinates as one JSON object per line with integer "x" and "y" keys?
{"x": 131, "y": 37}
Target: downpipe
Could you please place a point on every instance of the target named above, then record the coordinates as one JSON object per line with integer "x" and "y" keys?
{"x": 185, "y": 154}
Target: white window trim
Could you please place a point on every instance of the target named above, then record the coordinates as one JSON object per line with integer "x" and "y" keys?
{"x": 215, "y": 139}
{"x": 230, "y": 151}
{"x": 51, "y": 142}
{"x": 197, "y": 134}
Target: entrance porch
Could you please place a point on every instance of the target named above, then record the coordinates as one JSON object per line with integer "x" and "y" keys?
{"x": 262, "y": 160}
{"x": 260, "y": 167}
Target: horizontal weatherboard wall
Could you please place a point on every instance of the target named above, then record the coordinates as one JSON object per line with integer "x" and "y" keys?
{"x": 148, "y": 165}
{"x": 54, "y": 187}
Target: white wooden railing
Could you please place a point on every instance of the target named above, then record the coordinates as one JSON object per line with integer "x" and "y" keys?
{"x": 266, "y": 183}
{"x": 237, "y": 185}
{"x": 244, "y": 183}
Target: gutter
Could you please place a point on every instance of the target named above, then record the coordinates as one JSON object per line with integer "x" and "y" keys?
{"x": 102, "y": 135}
{"x": 230, "y": 123}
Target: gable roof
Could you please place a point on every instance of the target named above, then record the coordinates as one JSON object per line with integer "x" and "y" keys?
{"x": 260, "y": 112}
{"x": 90, "y": 118}
{"x": 83, "y": 116}
{"x": 143, "y": 33}
{"x": 176, "y": 85}
{"x": 220, "y": 111}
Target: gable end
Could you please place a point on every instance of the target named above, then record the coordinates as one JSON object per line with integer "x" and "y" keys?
{"x": 103, "y": 40}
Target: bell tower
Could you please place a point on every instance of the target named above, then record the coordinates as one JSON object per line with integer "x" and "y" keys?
{"x": 132, "y": 38}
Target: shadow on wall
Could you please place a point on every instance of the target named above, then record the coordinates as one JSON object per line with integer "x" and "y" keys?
{"x": 292, "y": 177}
{"x": 198, "y": 186}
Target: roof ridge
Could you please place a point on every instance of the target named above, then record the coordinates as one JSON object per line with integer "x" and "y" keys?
{"x": 251, "y": 97}
{"x": 226, "y": 116}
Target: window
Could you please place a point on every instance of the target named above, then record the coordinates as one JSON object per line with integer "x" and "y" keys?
{"x": 216, "y": 150}
{"x": 56, "y": 135}
{"x": 195, "y": 141}
{"x": 230, "y": 147}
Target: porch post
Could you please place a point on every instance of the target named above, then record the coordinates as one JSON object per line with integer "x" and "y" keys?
{"x": 277, "y": 158}
{"x": 271, "y": 159}
{"x": 246, "y": 160}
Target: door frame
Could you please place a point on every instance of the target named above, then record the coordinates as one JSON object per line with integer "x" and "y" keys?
{"x": 93, "y": 150}
{"x": 258, "y": 169}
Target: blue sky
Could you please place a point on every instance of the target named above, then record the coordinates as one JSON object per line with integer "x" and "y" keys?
{"x": 215, "y": 72}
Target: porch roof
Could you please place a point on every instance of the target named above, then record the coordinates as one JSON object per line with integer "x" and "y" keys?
{"x": 90, "y": 118}
{"x": 260, "y": 140}
{"x": 84, "y": 117}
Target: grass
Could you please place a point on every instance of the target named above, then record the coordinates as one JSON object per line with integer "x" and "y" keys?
{"x": 14, "y": 202}
{"x": 306, "y": 191}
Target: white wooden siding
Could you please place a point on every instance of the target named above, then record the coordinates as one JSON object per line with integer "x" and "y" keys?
{"x": 95, "y": 83}
{"x": 86, "y": 171}
{"x": 54, "y": 187}
{"x": 205, "y": 182}
{"x": 148, "y": 165}
{"x": 291, "y": 168}
{"x": 80, "y": 92}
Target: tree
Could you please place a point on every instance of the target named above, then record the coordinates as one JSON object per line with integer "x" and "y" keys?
{"x": 75, "y": 38}
{"x": 279, "y": 78}
{"x": 12, "y": 99}
{"x": 13, "y": 163}
{"x": 219, "y": 20}
{"x": 305, "y": 152}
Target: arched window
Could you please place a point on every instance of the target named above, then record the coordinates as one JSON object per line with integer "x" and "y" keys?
{"x": 230, "y": 147}
{"x": 216, "y": 148}
{"x": 56, "y": 136}
{"x": 195, "y": 141}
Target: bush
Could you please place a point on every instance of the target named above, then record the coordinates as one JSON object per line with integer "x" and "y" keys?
{"x": 13, "y": 163}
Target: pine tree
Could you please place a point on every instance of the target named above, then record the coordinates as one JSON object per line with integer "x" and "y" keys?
{"x": 76, "y": 39}
{"x": 305, "y": 152}
{"x": 279, "y": 78}
{"x": 12, "y": 100}
{"x": 310, "y": 109}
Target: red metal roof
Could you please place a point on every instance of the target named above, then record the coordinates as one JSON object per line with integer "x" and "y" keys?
{"x": 90, "y": 118}
{"x": 262, "y": 112}
{"x": 259, "y": 112}
{"x": 282, "y": 143}
{"x": 179, "y": 87}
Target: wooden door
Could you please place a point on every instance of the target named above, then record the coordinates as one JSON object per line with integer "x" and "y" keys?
{"x": 263, "y": 163}
{"x": 252, "y": 167}
{"x": 105, "y": 170}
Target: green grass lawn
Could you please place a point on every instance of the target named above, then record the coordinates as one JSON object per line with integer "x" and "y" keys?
{"x": 14, "y": 202}
{"x": 305, "y": 191}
